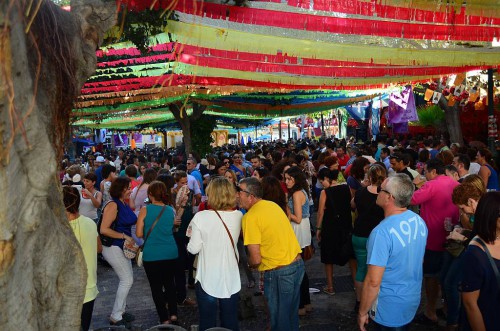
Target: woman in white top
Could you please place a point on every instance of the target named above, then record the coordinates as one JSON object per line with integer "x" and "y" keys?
{"x": 140, "y": 193}
{"x": 218, "y": 277}
{"x": 138, "y": 196}
{"x": 91, "y": 198}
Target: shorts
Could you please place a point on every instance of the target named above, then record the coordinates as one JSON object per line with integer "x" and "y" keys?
{"x": 433, "y": 263}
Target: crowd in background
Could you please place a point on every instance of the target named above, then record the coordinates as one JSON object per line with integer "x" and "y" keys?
{"x": 185, "y": 207}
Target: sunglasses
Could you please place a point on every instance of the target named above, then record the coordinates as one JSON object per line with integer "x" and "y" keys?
{"x": 380, "y": 189}
{"x": 239, "y": 189}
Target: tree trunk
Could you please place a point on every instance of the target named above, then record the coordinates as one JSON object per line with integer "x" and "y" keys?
{"x": 452, "y": 119}
{"x": 186, "y": 122}
{"x": 42, "y": 270}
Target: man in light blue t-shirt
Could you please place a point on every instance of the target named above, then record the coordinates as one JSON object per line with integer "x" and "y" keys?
{"x": 396, "y": 247}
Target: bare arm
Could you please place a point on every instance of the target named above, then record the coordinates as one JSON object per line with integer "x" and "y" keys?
{"x": 371, "y": 288}
{"x": 139, "y": 227}
{"x": 298, "y": 199}
{"x": 321, "y": 213}
{"x": 97, "y": 200}
{"x": 473, "y": 313}
{"x": 484, "y": 173}
{"x": 99, "y": 245}
{"x": 254, "y": 257}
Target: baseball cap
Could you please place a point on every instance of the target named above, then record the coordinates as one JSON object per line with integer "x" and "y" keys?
{"x": 99, "y": 159}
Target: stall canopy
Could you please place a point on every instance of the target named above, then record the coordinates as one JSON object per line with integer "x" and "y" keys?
{"x": 284, "y": 57}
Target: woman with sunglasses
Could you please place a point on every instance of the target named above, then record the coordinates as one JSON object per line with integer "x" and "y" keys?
{"x": 238, "y": 167}
{"x": 298, "y": 206}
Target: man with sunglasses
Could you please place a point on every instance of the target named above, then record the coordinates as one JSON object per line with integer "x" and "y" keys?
{"x": 392, "y": 286}
{"x": 273, "y": 249}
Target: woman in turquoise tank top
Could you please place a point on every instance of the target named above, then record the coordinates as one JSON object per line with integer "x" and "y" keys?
{"x": 155, "y": 224}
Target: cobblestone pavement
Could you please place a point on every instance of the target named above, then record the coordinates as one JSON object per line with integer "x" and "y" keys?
{"x": 329, "y": 312}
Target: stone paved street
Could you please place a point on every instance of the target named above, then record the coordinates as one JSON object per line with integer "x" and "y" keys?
{"x": 330, "y": 312}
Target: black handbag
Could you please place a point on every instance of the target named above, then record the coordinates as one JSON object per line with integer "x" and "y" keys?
{"x": 105, "y": 240}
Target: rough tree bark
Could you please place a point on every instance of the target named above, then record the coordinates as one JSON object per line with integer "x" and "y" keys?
{"x": 187, "y": 122}
{"x": 452, "y": 119}
{"x": 46, "y": 54}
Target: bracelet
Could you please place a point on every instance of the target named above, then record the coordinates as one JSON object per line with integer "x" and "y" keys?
{"x": 123, "y": 235}
{"x": 318, "y": 228}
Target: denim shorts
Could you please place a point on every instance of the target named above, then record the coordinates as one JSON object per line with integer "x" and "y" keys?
{"x": 433, "y": 263}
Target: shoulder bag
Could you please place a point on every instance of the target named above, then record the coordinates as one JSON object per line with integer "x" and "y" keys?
{"x": 138, "y": 258}
{"x": 493, "y": 265}
{"x": 230, "y": 237}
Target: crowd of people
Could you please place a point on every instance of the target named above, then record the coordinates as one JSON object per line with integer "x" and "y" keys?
{"x": 401, "y": 213}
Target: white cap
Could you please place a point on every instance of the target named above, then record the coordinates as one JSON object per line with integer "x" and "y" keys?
{"x": 99, "y": 159}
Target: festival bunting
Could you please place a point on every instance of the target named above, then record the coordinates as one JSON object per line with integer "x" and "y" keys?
{"x": 402, "y": 108}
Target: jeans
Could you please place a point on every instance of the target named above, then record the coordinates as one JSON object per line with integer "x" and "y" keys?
{"x": 86, "y": 317}
{"x": 123, "y": 269}
{"x": 161, "y": 275}
{"x": 207, "y": 305}
{"x": 282, "y": 291}
{"x": 450, "y": 278}
{"x": 180, "y": 275}
{"x": 378, "y": 327}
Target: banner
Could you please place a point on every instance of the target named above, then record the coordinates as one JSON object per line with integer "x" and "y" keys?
{"x": 402, "y": 108}
{"x": 375, "y": 122}
{"x": 400, "y": 127}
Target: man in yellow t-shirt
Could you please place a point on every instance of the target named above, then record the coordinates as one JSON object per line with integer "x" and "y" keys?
{"x": 274, "y": 249}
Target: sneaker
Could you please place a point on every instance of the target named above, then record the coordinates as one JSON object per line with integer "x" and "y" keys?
{"x": 188, "y": 302}
{"x": 121, "y": 322}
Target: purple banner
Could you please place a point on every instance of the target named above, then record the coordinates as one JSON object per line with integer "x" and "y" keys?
{"x": 400, "y": 127}
{"x": 402, "y": 107}
{"x": 137, "y": 137}
{"x": 120, "y": 139}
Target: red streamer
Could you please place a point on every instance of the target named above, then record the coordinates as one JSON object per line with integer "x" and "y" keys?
{"x": 349, "y": 26}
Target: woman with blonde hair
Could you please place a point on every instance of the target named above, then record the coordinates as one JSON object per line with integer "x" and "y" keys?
{"x": 213, "y": 236}
{"x": 231, "y": 176}
{"x": 477, "y": 181}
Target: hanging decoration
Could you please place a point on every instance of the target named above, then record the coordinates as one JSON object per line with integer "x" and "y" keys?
{"x": 402, "y": 107}
{"x": 310, "y": 54}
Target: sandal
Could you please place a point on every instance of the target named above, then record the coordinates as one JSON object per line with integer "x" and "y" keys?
{"x": 173, "y": 320}
{"x": 328, "y": 290}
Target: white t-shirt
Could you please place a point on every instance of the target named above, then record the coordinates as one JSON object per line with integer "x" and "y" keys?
{"x": 217, "y": 270}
